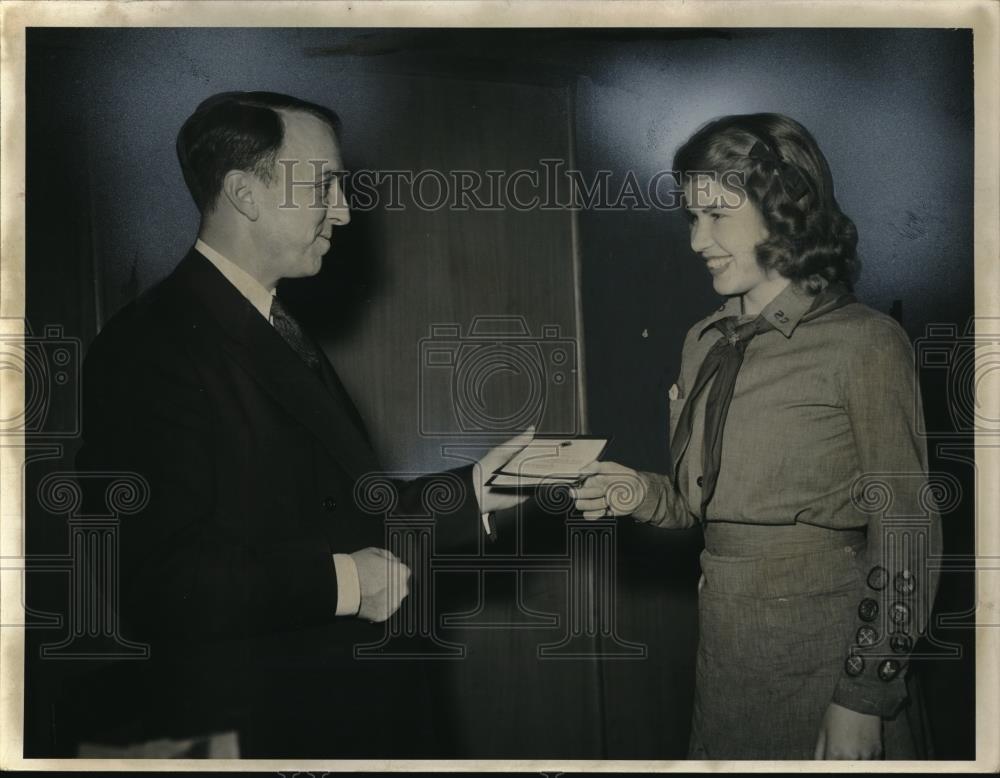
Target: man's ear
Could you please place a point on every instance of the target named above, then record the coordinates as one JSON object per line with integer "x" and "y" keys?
{"x": 238, "y": 188}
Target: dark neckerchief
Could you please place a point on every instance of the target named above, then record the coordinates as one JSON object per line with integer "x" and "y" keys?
{"x": 723, "y": 362}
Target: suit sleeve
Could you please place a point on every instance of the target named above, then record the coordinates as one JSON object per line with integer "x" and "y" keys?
{"x": 903, "y": 534}
{"x": 144, "y": 411}
{"x": 448, "y": 497}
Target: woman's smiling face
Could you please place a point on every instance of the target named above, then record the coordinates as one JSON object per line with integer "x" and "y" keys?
{"x": 726, "y": 234}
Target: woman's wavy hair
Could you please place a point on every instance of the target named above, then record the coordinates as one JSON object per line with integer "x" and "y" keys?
{"x": 783, "y": 172}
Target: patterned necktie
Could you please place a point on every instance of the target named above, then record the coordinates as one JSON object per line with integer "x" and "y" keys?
{"x": 293, "y": 334}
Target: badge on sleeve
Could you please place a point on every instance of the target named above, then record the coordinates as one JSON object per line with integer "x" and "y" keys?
{"x": 868, "y": 609}
{"x": 905, "y": 582}
{"x": 878, "y": 578}
{"x": 901, "y": 643}
{"x": 867, "y": 636}
{"x": 888, "y": 670}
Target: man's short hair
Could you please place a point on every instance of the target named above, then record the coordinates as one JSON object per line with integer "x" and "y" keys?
{"x": 237, "y": 131}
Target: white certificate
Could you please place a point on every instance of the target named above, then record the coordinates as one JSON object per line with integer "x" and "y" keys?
{"x": 548, "y": 461}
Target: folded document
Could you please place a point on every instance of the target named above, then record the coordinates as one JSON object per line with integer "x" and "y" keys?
{"x": 548, "y": 461}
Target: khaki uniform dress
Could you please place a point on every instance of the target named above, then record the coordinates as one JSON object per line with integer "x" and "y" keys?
{"x": 816, "y": 583}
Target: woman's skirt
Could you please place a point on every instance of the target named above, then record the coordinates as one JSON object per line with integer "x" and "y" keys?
{"x": 777, "y": 609}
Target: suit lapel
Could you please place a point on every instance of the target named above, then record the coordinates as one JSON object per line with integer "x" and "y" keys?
{"x": 262, "y": 352}
{"x": 336, "y": 387}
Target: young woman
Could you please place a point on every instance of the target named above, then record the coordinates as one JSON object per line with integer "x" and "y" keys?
{"x": 796, "y": 446}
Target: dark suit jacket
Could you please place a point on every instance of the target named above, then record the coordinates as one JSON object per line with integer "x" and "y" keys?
{"x": 252, "y": 460}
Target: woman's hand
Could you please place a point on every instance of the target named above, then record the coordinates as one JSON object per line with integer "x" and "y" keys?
{"x": 610, "y": 489}
{"x": 847, "y": 734}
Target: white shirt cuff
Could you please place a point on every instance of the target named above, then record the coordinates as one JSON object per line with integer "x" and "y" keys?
{"x": 348, "y": 585}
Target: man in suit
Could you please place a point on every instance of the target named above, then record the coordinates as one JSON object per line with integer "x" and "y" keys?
{"x": 255, "y": 568}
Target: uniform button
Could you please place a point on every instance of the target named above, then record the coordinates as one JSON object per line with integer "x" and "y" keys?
{"x": 329, "y": 504}
{"x": 854, "y": 665}
{"x": 868, "y": 609}
{"x": 901, "y": 643}
{"x": 888, "y": 669}
{"x": 867, "y": 636}
{"x": 899, "y": 612}
{"x": 878, "y": 578}
{"x": 905, "y": 582}
{"x": 700, "y": 481}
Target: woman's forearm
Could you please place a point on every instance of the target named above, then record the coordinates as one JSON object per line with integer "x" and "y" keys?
{"x": 662, "y": 504}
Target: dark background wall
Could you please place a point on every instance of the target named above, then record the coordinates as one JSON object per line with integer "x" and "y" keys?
{"x": 108, "y": 216}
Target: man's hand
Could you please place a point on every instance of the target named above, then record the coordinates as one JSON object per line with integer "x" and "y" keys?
{"x": 493, "y": 499}
{"x": 609, "y": 490}
{"x": 383, "y": 580}
{"x": 847, "y": 734}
